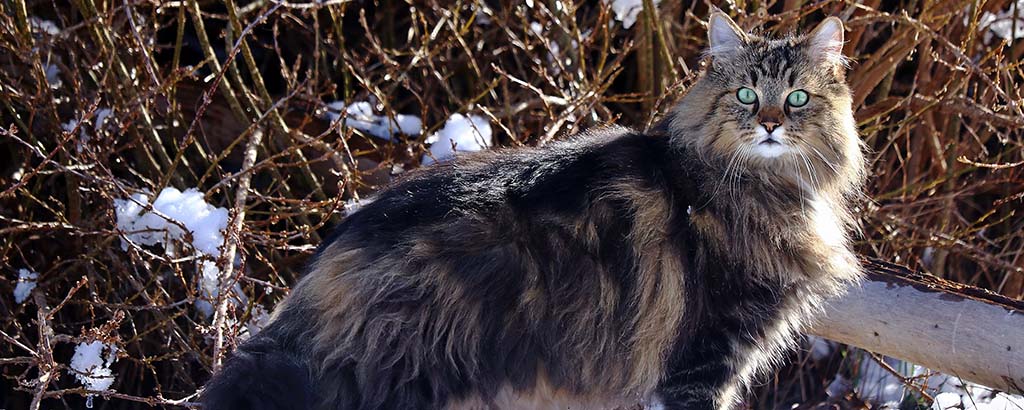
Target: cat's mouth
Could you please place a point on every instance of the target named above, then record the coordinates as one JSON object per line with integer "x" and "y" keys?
{"x": 770, "y": 147}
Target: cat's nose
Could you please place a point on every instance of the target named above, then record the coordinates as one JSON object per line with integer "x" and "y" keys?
{"x": 770, "y": 118}
{"x": 770, "y": 126}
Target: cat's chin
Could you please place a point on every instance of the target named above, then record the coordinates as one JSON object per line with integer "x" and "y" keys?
{"x": 770, "y": 145}
{"x": 771, "y": 148}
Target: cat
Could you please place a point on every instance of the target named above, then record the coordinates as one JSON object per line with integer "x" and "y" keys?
{"x": 614, "y": 268}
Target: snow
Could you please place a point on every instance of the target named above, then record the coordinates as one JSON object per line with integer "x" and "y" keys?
{"x": 260, "y": 318}
{"x": 554, "y": 51}
{"x": 43, "y": 26}
{"x": 204, "y": 223}
{"x": 100, "y": 120}
{"x": 998, "y": 401}
{"x": 359, "y": 115}
{"x": 483, "y": 13}
{"x": 89, "y": 367}
{"x": 838, "y": 387}
{"x": 820, "y": 347}
{"x": 352, "y": 205}
{"x": 26, "y": 282}
{"x": 1002, "y": 23}
{"x": 52, "y": 75}
{"x": 101, "y": 117}
{"x": 877, "y": 385}
{"x": 627, "y": 11}
{"x": 460, "y": 134}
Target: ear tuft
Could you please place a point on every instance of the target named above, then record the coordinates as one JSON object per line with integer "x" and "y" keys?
{"x": 724, "y": 36}
{"x": 826, "y": 41}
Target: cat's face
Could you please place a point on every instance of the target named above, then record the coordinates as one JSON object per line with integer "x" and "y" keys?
{"x": 780, "y": 105}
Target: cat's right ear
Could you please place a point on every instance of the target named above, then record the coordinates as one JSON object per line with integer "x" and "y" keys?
{"x": 724, "y": 36}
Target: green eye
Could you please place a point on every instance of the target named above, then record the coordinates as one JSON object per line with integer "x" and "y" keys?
{"x": 746, "y": 95}
{"x": 797, "y": 98}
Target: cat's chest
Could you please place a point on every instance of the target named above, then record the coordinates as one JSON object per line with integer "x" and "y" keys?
{"x": 823, "y": 225}
{"x": 808, "y": 241}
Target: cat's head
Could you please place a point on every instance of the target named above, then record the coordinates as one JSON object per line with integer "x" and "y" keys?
{"x": 776, "y": 107}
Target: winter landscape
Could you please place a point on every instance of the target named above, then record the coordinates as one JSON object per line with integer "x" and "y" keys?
{"x": 167, "y": 167}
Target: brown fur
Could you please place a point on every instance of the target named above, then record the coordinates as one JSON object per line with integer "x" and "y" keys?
{"x": 612, "y": 268}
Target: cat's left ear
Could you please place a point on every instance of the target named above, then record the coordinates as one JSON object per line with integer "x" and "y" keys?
{"x": 826, "y": 41}
{"x": 724, "y": 36}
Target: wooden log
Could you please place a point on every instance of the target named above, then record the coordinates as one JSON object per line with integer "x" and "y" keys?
{"x": 946, "y": 326}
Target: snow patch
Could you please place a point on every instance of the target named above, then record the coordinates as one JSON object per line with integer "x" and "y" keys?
{"x": 191, "y": 214}
{"x": 965, "y": 401}
{"x": 101, "y": 117}
{"x": 359, "y": 115}
{"x": 460, "y": 134}
{"x": 820, "y": 347}
{"x": 554, "y": 51}
{"x": 352, "y": 205}
{"x": 203, "y": 221}
{"x": 100, "y": 120}
{"x": 89, "y": 366}
{"x": 52, "y": 75}
{"x": 43, "y": 26}
{"x": 260, "y": 318}
{"x": 879, "y": 386}
{"x": 1002, "y": 24}
{"x": 627, "y": 11}
{"x": 26, "y": 282}
{"x": 483, "y": 13}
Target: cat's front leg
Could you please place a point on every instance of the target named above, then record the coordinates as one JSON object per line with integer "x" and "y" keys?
{"x": 697, "y": 374}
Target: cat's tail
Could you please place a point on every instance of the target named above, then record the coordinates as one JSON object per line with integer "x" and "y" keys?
{"x": 260, "y": 375}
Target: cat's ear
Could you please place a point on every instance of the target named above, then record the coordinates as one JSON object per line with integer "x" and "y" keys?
{"x": 826, "y": 41}
{"x": 724, "y": 36}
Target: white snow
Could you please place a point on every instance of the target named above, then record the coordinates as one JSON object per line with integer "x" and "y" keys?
{"x": 260, "y": 318}
{"x": 839, "y": 386}
{"x": 43, "y": 26}
{"x": 89, "y": 366}
{"x": 983, "y": 401}
{"x": 352, "y": 205}
{"x": 483, "y": 13}
{"x": 877, "y": 385}
{"x": 70, "y": 125}
{"x": 554, "y": 51}
{"x": 627, "y": 11}
{"x": 26, "y": 282}
{"x": 1002, "y": 23}
{"x": 100, "y": 119}
{"x": 460, "y": 134}
{"x": 359, "y": 115}
{"x": 52, "y": 75}
{"x": 820, "y": 347}
{"x": 205, "y": 224}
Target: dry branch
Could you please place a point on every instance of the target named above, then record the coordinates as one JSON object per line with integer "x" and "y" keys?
{"x": 957, "y": 329}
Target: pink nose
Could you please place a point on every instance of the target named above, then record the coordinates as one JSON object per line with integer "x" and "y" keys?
{"x": 770, "y": 126}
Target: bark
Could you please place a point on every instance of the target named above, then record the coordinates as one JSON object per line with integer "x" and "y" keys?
{"x": 954, "y": 328}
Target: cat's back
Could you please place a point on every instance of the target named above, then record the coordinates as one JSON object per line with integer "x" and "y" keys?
{"x": 559, "y": 179}
{"x": 501, "y": 269}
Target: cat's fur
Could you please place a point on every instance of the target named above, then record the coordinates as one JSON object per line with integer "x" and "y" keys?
{"x": 610, "y": 269}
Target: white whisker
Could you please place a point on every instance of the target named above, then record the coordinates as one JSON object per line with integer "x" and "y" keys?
{"x": 718, "y": 187}
{"x": 823, "y": 159}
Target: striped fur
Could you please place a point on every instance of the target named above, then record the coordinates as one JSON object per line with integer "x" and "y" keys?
{"x": 611, "y": 269}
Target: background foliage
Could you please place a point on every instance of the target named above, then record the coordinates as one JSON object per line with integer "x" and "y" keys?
{"x": 193, "y": 85}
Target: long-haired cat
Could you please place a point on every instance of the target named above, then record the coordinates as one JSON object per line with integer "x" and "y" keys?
{"x": 609, "y": 270}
